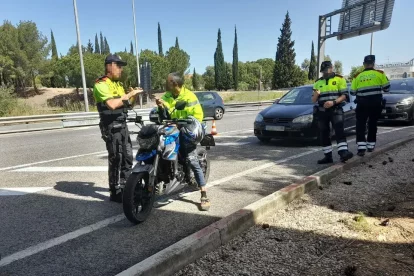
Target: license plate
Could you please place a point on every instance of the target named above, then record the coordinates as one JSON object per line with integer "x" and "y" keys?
{"x": 384, "y": 111}
{"x": 275, "y": 128}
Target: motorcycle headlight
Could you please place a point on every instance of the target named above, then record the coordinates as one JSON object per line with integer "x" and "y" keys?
{"x": 148, "y": 143}
{"x": 304, "y": 119}
{"x": 259, "y": 118}
{"x": 407, "y": 101}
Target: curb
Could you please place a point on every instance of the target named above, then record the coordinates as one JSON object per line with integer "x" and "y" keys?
{"x": 193, "y": 247}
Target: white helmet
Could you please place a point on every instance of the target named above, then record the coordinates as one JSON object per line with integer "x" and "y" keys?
{"x": 193, "y": 132}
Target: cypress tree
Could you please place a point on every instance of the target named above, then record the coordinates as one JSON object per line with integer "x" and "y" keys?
{"x": 54, "y": 48}
{"x": 102, "y": 45}
{"x": 107, "y": 49}
{"x": 131, "y": 50}
{"x": 235, "y": 62}
{"x": 219, "y": 65}
{"x": 160, "y": 51}
{"x": 89, "y": 48}
{"x": 285, "y": 72}
{"x": 195, "y": 80}
{"x": 97, "y": 48}
{"x": 176, "y": 43}
{"x": 312, "y": 66}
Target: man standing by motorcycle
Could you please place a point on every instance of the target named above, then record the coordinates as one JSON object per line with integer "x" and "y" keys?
{"x": 113, "y": 105}
{"x": 177, "y": 92}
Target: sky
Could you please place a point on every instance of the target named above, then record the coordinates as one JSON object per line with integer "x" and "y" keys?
{"x": 196, "y": 23}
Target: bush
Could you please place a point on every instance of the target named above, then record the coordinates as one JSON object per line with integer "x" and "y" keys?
{"x": 8, "y": 101}
{"x": 243, "y": 86}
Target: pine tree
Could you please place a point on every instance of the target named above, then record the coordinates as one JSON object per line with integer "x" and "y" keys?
{"x": 235, "y": 62}
{"x": 312, "y": 66}
{"x": 54, "y": 49}
{"x": 97, "y": 48}
{"x": 219, "y": 65}
{"x": 286, "y": 73}
{"x": 102, "y": 45}
{"x": 195, "y": 79}
{"x": 160, "y": 51}
{"x": 89, "y": 48}
{"x": 131, "y": 50}
{"x": 176, "y": 43}
{"x": 107, "y": 49}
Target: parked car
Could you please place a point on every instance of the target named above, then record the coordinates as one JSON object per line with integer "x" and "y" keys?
{"x": 399, "y": 101}
{"x": 212, "y": 103}
{"x": 292, "y": 116}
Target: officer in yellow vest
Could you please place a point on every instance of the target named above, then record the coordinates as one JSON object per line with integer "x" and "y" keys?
{"x": 368, "y": 86}
{"x": 329, "y": 92}
{"x": 113, "y": 105}
{"x": 177, "y": 92}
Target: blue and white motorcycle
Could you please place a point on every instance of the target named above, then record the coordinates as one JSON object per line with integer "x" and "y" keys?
{"x": 161, "y": 170}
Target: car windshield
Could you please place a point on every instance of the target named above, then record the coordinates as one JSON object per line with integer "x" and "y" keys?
{"x": 402, "y": 86}
{"x": 298, "y": 96}
{"x": 202, "y": 97}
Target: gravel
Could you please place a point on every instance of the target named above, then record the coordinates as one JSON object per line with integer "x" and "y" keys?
{"x": 360, "y": 223}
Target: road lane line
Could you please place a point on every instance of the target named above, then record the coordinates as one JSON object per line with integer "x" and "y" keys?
{"x": 88, "y": 229}
{"x": 59, "y": 240}
{"x": 64, "y": 169}
{"x": 21, "y": 190}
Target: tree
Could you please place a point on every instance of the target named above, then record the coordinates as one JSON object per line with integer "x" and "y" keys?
{"x": 327, "y": 58}
{"x": 235, "y": 62}
{"x": 195, "y": 79}
{"x": 176, "y": 43}
{"x": 159, "y": 67}
{"x": 107, "y": 50}
{"x": 53, "y": 45}
{"x": 131, "y": 51}
{"x": 355, "y": 70}
{"x": 267, "y": 65}
{"x": 178, "y": 60}
{"x": 286, "y": 73}
{"x": 102, "y": 44}
{"x": 209, "y": 78}
{"x": 89, "y": 48}
{"x": 160, "y": 51}
{"x": 219, "y": 65}
{"x": 312, "y": 65}
{"x": 97, "y": 48}
{"x": 305, "y": 65}
{"x": 338, "y": 67}
{"x": 125, "y": 51}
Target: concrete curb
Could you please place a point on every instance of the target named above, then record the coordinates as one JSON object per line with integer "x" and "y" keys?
{"x": 187, "y": 250}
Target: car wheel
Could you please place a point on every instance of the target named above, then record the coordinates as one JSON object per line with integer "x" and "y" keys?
{"x": 264, "y": 139}
{"x": 218, "y": 113}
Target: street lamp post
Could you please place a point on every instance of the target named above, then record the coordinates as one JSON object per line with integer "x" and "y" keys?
{"x": 136, "y": 51}
{"x": 85, "y": 93}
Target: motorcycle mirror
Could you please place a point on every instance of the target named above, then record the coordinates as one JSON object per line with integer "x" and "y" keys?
{"x": 180, "y": 105}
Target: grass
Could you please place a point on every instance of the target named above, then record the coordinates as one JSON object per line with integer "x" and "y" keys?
{"x": 250, "y": 96}
{"x": 24, "y": 109}
{"x": 360, "y": 223}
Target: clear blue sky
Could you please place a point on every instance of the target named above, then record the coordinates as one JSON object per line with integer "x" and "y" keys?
{"x": 196, "y": 23}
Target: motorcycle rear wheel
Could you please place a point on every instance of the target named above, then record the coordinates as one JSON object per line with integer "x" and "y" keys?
{"x": 138, "y": 199}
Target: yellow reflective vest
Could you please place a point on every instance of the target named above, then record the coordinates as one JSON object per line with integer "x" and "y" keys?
{"x": 193, "y": 107}
{"x": 330, "y": 89}
{"x": 370, "y": 82}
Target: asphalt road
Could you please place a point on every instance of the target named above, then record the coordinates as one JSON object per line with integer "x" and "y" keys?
{"x": 56, "y": 219}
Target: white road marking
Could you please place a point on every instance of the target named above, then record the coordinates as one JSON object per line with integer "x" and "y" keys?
{"x": 21, "y": 190}
{"x": 233, "y": 144}
{"x": 64, "y": 169}
{"x": 234, "y": 136}
{"x": 88, "y": 229}
{"x": 59, "y": 240}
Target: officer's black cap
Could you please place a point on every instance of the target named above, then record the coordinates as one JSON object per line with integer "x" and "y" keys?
{"x": 369, "y": 59}
{"x": 115, "y": 58}
{"x": 325, "y": 65}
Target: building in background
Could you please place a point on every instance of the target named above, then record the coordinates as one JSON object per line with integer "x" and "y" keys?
{"x": 397, "y": 70}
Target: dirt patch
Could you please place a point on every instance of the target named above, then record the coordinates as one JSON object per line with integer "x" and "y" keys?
{"x": 361, "y": 223}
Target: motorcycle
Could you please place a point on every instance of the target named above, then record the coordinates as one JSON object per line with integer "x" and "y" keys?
{"x": 161, "y": 169}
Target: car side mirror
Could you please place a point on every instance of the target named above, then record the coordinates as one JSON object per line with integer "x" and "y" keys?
{"x": 180, "y": 105}
{"x": 276, "y": 101}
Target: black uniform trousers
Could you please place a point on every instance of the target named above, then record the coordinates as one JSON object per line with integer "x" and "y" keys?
{"x": 368, "y": 109}
{"x": 119, "y": 147}
{"x": 334, "y": 116}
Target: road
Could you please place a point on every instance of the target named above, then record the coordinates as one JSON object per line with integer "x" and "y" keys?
{"x": 56, "y": 218}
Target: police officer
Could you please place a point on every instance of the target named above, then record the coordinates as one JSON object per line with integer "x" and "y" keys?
{"x": 113, "y": 105}
{"x": 330, "y": 93}
{"x": 368, "y": 86}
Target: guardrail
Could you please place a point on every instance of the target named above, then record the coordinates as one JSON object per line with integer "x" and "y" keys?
{"x": 64, "y": 120}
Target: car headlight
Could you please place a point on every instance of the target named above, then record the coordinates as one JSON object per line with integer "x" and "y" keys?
{"x": 259, "y": 118}
{"x": 304, "y": 119}
{"x": 407, "y": 101}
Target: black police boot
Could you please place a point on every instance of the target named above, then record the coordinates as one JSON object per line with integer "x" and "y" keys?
{"x": 327, "y": 159}
{"x": 345, "y": 155}
{"x": 361, "y": 153}
{"x": 115, "y": 194}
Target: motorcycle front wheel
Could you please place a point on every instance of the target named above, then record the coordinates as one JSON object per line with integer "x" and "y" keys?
{"x": 138, "y": 198}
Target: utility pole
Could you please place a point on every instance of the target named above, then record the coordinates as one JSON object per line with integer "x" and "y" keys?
{"x": 85, "y": 92}
{"x": 136, "y": 51}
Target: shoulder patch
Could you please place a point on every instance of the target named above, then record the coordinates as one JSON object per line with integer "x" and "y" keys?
{"x": 382, "y": 72}
{"x": 103, "y": 78}
{"x": 357, "y": 74}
